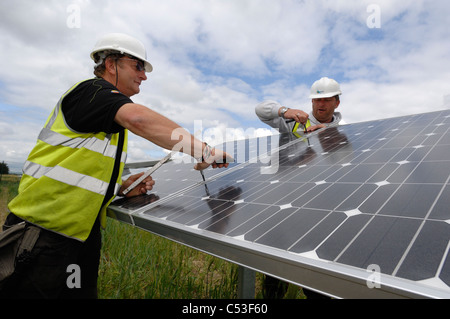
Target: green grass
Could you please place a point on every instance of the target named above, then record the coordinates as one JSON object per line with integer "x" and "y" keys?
{"x": 8, "y": 190}
{"x": 136, "y": 264}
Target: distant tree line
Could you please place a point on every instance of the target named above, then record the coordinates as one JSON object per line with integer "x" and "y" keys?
{"x": 4, "y": 169}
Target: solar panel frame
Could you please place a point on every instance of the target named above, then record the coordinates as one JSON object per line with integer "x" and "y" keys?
{"x": 318, "y": 221}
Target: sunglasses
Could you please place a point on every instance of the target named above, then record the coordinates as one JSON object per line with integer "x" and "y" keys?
{"x": 139, "y": 64}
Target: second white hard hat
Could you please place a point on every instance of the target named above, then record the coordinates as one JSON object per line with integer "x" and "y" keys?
{"x": 324, "y": 88}
{"x": 123, "y": 44}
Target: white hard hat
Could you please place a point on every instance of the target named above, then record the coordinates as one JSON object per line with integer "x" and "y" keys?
{"x": 324, "y": 88}
{"x": 123, "y": 44}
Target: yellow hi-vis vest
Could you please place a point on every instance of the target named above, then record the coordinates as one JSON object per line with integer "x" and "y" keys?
{"x": 66, "y": 177}
{"x": 297, "y": 125}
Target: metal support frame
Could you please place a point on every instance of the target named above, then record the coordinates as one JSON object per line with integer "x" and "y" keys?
{"x": 246, "y": 283}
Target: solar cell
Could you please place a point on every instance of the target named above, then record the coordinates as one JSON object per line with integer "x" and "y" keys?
{"x": 329, "y": 205}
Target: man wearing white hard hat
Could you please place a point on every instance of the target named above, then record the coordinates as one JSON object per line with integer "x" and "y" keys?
{"x": 74, "y": 172}
{"x": 325, "y": 100}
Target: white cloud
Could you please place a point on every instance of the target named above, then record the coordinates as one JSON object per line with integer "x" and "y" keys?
{"x": 215, "y": 60}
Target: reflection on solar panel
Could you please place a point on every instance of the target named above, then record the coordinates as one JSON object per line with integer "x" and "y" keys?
{"x": 358, "y": 210}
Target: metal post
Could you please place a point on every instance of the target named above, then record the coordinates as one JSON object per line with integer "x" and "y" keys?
{"x": 246, "y": 283}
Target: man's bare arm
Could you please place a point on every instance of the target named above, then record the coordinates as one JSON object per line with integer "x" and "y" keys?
{"x": 164, "y": 132}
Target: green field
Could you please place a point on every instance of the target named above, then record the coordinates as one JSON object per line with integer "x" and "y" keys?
{"x": 137, "y": 265}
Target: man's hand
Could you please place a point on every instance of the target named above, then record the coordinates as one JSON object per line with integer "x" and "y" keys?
{"x": 142, "y": 188}
{"x": 218, "y": 159}
{"x": 296, "y": 115}
{"x": 312, "y": 128}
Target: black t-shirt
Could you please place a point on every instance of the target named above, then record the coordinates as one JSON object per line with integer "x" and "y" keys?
{"x": 92, "y": 106}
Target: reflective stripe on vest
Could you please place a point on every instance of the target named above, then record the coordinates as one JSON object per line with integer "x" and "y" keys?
{"x": 66, "y": 177}
{"x": 93, "y": 144}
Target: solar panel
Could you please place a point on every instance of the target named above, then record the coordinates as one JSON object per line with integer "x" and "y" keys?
{"x": 358, "y": 210}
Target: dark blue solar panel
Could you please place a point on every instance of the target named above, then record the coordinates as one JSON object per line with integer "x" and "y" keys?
{"x": 361, "y": 194}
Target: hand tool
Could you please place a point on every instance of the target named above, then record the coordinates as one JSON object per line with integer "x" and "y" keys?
{"x": 148, "y": 173}
{"x": 206, "y": 186}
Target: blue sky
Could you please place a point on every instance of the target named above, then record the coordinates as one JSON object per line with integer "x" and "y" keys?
{"x": 215, "y": 60}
